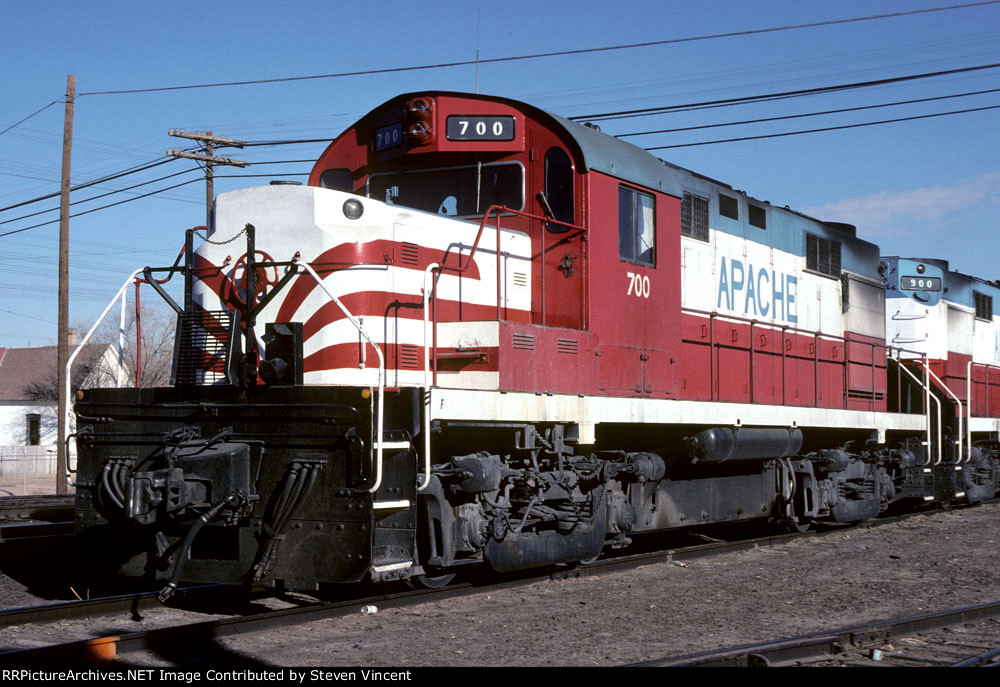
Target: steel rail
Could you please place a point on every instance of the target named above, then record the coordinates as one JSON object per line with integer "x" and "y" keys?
{"x": 34, "y": 531}
{"x": 822, "y": 645}
{"x": 41, "y": 507}
{"x": 107, "y": 648}
{"x": 86, "y": 608}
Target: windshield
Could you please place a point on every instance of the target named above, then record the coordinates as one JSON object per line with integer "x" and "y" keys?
{"x": 456, "y": 191}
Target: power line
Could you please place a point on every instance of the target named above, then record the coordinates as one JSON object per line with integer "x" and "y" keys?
{"x": 284, "y": 162}
{"x": 110, "y": 177}
{"x": 22, "y": 121}
{"x": 646, "y": 111}
{"x": 807, "y": 114}
{"x": 103, "y": 207}
{"x": 827, "y": 128}
{"x": 560, "y": 53}
{"x": 250, "y": 176}
{"x": 623, "y": 114}
{"x": 290, "y": 141}
{"x": 30, "y": 317}
{"x": 98, "y": 197}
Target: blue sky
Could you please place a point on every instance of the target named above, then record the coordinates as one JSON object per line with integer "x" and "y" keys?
{"x": 929, "y": 187}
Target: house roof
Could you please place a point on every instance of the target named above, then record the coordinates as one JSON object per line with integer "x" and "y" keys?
{"x": 26, "y": 371}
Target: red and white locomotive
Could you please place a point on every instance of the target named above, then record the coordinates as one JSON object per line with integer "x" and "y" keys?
{"x": 486, "y": 335}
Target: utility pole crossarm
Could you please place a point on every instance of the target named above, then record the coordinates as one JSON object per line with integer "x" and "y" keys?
{"x": 208, "y": 158}
{"x": 219, "y": 141}
{"x": 210, "y": 143}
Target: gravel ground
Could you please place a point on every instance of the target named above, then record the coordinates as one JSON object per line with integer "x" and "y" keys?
{"x": 13, "y": 594}
{"x": 926, "y": 563}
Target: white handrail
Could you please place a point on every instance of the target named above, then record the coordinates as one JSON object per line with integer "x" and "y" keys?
{"x": 968, "y": 396}
{"x": 121, "y": 341}
{"x": 69, "y": 363}
{"x": 377, "y": 448}
{"x": 927, "y": 410}
{"x": 428, "y": 288}
{"x": 952, "y": 394}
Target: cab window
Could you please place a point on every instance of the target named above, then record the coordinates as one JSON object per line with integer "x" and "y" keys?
{"x": 559, "y": 188}
{"x": 454, "y": 191}
{"x": 636, "y": 230}
{"x": 338, "y": 179}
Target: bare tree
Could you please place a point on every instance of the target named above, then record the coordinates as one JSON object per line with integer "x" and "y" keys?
{"x": 156, "y": 345}
{"x": 46, "y": 388}
{"x": 96, "y": 367}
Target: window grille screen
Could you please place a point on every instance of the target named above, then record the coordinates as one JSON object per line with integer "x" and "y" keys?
{"x": 694, "y": 217}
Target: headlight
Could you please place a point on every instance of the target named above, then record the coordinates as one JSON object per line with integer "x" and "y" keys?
{"x": 353, "y": 209}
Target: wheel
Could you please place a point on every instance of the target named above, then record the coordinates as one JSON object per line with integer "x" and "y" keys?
{"x": 430, "y": 581}
{"x": 797, "y": 526}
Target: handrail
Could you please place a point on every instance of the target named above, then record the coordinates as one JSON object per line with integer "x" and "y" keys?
{"x": 428, "y": 289}
{"x": 898, "y": 316}
{"x": 927, "y": 409}
{"x": 897, "y": 339}
{"x": 777, "y": 326}
{"x": 957, "y": 400}
{"x": 121, "y": 338}
{"x": 430, "y": 286}
{"x": 69, "y": 363}
{"x": 968, "y": 392}
{"x": 784, "y": 329}
{"x": 968, "y": 396}
{"x": 503, "y": 209}
{"x": 377, "y": 448}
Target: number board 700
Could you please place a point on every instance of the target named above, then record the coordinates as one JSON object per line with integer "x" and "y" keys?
{"x": 480, "y": 128}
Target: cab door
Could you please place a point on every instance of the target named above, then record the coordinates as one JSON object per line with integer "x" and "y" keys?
{"x": 558, "y": 274}
{"x": 635, "y": 287}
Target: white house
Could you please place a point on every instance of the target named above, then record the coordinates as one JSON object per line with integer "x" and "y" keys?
{"x": 28, "y": 402}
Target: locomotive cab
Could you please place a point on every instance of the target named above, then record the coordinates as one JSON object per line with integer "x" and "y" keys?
{"x": 467, "y": 157}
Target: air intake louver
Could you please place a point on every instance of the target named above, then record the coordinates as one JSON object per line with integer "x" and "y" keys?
{"x": 524, "y": 342}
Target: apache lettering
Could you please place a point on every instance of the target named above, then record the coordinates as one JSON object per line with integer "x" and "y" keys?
{"x": 757, "y": 292}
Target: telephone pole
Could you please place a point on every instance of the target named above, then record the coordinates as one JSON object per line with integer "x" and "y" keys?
{"x": 62, "y": 350}
{"x": 208, "y": 157}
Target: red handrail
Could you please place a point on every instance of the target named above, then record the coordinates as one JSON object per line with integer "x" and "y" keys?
{"x": 573, "y": 230}
{"x": 784, "y": 329}
{"x": 986, "y": 383}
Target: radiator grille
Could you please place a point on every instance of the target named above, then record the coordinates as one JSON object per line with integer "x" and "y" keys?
{"x": 206, "y": 348}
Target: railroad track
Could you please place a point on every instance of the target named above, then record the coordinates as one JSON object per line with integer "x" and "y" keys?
{"x": 47, "y": 508}
{"x": 130, "y": 604}
{"x": 239, "y": 622}
{"x": 106, "y": 649}
{"x": 967, "y": 636}
{"x": 56, "y": 532}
